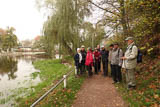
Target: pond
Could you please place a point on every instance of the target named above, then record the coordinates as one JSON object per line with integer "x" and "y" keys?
{"x": 15, "y": 74}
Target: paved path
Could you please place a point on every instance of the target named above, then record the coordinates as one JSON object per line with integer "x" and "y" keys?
{"x": 98, "y": 91}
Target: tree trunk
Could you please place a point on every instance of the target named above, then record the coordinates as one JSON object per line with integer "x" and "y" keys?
{"x": 123, "y": 19}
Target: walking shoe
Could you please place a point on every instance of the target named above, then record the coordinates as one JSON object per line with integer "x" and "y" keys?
{"x": 131, "y": 87}
{"x": 114, "y": 82}
{"x": 134, "y": 87}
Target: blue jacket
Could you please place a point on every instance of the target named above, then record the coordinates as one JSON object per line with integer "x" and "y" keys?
{"x": 76, "y": 59}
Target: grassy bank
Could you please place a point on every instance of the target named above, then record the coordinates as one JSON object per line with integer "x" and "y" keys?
{"x": 51, "y": 72}
{"x": 147, "y": 93}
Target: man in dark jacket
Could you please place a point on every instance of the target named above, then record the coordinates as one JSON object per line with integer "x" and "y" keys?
{"x": 104, "y": 58}
{"x": 83, "y": 53}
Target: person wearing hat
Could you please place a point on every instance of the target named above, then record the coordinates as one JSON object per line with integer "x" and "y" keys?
{"x": 83, "y": 53}
{"x": 96, "y": 60}
{"x": 78, "y": 60}
{"x": 89, "y": 61}
{"x": 104, "y": 58}
{"x": 116, "y": 63}
{"x": 130, "y": 62}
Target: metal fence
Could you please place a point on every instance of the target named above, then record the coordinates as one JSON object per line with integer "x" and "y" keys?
{"x": 51, "y": 89}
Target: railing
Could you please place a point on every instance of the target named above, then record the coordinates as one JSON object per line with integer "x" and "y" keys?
{"x": 51, "y": 89}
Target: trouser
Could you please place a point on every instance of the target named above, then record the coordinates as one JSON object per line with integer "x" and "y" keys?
{"x": 105, "y": 68}
{"x": 83, "y": 68}
{"x": 99, "y": 66}
{"x": 79, "y": 69}
{"x": 119, "y": 74}
{"x": 130, "y": 77}
{"x": 89, "y": 68}
{"x": 116, "y": 72}
{"x": 96, "y": 65}
{"x": 111, "y": 70}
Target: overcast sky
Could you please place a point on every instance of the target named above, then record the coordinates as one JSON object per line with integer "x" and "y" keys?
{"x": 26, "y": 19}
{"x": 23, "y": 16}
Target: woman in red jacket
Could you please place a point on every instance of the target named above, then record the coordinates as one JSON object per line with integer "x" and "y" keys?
{"x": 89, "y": 61}
{"x": 96, "y": 60}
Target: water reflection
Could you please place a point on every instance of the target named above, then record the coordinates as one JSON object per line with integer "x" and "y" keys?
{"x": 8, "y": 65}
{"x": 15, "y": 74}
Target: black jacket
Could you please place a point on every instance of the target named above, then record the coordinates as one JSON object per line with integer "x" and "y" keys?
{"x": 84, "y": 53}
{"x": 104, "y": 55}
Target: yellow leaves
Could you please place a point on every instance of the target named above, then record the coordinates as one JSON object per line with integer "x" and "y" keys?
{"x": 149, "y": 50}
{"x": 141, "y": 3}
{"x": 156, "y": 96}
{"x": 147, "y": 44}
{"x": 142, "y": 48}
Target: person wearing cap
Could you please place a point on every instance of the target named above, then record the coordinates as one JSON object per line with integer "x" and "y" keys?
{"x": 78, "y": 60}
{"x": 84, "y": 53}
{"x": 89, "y": 61}
{"x": 116, "y": 63}
{"x": 104, "y": 59}
{"x": 109, "y": 59}
{"x": 96, "y": 60}
{"x": 130, "y": 62}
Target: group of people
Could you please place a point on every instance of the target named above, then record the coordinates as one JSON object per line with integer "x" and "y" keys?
{"x": 114, "y": 56}
{"x": 92, "y": 58}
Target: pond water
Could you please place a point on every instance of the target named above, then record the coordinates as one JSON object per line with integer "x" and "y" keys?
{"x": 15, "y": 73}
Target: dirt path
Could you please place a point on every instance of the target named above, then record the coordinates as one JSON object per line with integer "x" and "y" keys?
{"x": 98, "y": 91}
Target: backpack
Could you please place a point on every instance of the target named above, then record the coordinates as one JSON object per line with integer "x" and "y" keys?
{"x": 139, "y": 55}
{"x": 119, "y": 51}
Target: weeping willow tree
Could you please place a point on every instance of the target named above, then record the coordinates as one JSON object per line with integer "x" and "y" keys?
{"x": 62, "y": 29}
{"x": 92, "y": 35}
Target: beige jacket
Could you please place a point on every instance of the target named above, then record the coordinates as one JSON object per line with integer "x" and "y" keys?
{"x": 131, "y": 55}
{"x": 110, "y": 55}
